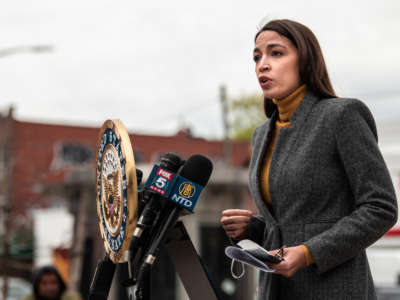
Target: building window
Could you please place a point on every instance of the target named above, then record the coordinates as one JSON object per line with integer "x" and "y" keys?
{"x": 68, "y": 154}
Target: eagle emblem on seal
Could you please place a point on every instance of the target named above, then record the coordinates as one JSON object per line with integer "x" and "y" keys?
{"x": 112, "y": 201}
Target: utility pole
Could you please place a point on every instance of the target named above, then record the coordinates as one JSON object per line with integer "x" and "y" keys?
{"x": 81, "y": 225}
{"x": 227, "y": 143}
{"x": 6, "y": 194}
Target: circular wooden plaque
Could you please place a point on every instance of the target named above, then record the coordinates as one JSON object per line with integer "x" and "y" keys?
{"x": 116, "y": 184}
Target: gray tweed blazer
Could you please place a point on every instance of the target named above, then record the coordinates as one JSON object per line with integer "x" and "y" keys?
{"x": 331, "y": 191}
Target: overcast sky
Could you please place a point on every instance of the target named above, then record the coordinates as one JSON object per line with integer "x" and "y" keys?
{"x": 157, "y": 65}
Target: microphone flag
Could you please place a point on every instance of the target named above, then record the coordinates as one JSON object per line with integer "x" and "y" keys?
{"x": 175, "y": 188}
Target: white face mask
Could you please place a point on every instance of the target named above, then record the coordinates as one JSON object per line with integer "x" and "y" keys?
{"x": 250, "y": 253}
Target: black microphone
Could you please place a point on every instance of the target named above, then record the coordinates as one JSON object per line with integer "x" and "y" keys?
{"x": 102, "y": 279}
{"x": 170, "y": 162}
{"x": 198, "y": 169}
{"x": 139, "y": 176}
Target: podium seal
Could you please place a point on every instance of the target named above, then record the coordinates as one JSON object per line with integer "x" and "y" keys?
{"x": 116, "y": 186}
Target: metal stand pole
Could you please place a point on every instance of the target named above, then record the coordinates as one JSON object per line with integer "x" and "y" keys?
{"x": 144, "y": 287}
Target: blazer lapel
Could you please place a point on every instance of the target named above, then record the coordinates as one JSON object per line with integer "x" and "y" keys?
{"x": 288, "y": 135}
{"x": 301, "y": 113}
{"x": 286, "y": 139}
{"x": 285, "y": 142}
{"x": 260, "y": 146}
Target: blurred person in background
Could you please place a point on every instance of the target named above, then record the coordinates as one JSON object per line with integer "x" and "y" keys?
{"x": 48, "y": 285}
{"x": 316, "y": 175}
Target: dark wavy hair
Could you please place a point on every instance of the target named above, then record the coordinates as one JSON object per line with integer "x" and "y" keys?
{"x": 312, "y": 67}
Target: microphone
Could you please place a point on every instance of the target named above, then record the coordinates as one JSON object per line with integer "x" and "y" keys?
{"x": 139, "y": 176}
{"x": 102, "y": 279}
{"x": 193, "y": 176}
{"x": 169, "y": 164}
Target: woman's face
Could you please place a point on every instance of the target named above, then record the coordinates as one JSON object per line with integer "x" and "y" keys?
{"x": 49, "y": 286}
{"x": 277, "y": 66}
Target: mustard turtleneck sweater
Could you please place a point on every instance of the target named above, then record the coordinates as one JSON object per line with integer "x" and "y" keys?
{"x": 286, "y": 108}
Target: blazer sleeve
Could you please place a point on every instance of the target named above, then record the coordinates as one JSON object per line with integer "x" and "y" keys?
{"x": 256, "y": 229}
{"x": 375, "y": 207}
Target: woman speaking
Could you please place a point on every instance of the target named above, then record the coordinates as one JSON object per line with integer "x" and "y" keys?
{"x": 316, "y": 175}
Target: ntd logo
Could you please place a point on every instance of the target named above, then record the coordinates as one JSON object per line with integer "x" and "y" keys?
{"x": 167, "y": 175}
{"x": 182, "y": 201}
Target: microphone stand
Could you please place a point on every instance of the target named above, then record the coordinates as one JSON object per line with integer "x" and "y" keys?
{"x": 102, "y": 280}
{"x": 144, "y": 287}
{"x": 188, "y": 264}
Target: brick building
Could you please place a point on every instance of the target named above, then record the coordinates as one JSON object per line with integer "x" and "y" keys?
{"x": 47, "y": 165}
{"x": 46, "y": 154}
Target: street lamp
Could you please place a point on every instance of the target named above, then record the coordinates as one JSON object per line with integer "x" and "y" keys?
{"x": 4, "y": 204}
{"x": 35, "y": 49}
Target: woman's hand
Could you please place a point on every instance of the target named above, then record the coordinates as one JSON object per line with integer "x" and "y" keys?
{"x": 295, "y": 259}
{"x": 235, "y": 222}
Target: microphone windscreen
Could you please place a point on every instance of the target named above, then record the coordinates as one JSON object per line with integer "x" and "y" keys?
{"x": 171, "y": 162}
{"x": 197, "y": 168}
